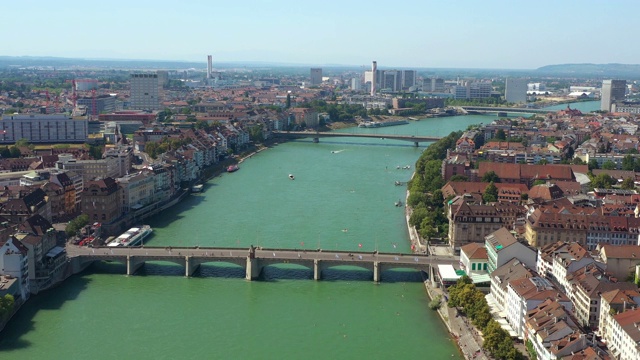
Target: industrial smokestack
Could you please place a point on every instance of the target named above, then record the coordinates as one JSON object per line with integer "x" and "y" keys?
{"x": 209, "y": 66}
{"x": 374, "y": 75}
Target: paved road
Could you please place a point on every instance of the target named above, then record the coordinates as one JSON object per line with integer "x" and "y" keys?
{"x": 277, "y": 254}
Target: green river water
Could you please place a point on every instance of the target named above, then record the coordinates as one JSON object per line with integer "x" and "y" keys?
{"x": 342, "y": 197}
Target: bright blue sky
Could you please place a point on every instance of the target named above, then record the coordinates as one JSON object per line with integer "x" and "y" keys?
{"x": 422, "y": 33}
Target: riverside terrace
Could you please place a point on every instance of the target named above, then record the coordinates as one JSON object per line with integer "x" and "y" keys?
{"x": 317, "y": 135}
{"x": 253, "y": 259}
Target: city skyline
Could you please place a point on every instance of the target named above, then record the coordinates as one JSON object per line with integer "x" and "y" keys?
{"x": 493, "y": 34}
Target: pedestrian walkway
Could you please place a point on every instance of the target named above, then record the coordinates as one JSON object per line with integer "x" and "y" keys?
{"x": 499, "y": 316}
{"x": 468, "y": 337}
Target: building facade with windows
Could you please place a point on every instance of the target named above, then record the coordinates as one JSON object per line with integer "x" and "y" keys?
{"x": 612, "y": 91}
{"x": 101, "y": 200}
{"x": 38, "y": 128}
{"x": 145, "y": 91}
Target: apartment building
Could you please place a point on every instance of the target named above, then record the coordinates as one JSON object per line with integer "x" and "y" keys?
{"x": 588, "y": 284}
{"x": 101, "y": 200}
{"x": 91, "y": 169}
{"x": 471, "y": 223}
{"x": 525, "y": 294}
{"x": 621, "y": 260}
{"x": 502, "y": 276}
{"x": 14, "y": 261}
{"x": 145, "y": 91}
{"x": 37, "y": 128}
{"x": 543, "y": 228}
{"x": 624, "y": 339}
{"x": 472, "y": 90}
{"x": 615, "y": 302}
{"x": 501, "y": 246}
{"x": 553, "y": 331}
{"x": 138, "y": 191}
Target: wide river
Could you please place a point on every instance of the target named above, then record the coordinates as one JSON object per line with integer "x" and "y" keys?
{"x": 342, "y": 198}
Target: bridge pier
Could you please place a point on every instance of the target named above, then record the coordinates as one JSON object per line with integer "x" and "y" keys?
{"x": 432, "y": 277}
{"x": 316, "y": 140}
{"x": 252, "y": 269}
{"x": 133, "y": 265}
{"x": 416, "y": 144}
{"x": 190, "y": 266}
{"x": 317, "y": 272}
{"x": 376, "y": 271}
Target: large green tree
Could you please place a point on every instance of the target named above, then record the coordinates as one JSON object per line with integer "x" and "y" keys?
{"x": 603, "y": 181}
{"x": 627, "y": 184}
{"x": 76, "y": 224}
{"x": 490, "y": 194}
{"x": 609, "y": 165}
{"x": 490, "y": 176}
{"x": 628, "y": 163}
{"x": 6, "y": 306}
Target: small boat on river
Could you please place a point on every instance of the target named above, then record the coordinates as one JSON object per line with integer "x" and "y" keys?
{"x": 291, "y": 177}
{"x": 232, "y": 168}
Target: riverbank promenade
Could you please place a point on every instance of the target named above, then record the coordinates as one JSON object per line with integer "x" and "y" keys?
{"x": 253, "y": 259}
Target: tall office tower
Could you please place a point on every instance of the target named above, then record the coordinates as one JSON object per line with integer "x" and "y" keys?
{"x": 163, "y": 77}
{"x": 391, "y": 80}
{"x": 374, "y": 71}
{"x": 356, "y": 84}
{"x": 316, "y": 76}
{"x": 408, "y": 78}
{"x": 612, "y": 91}
{"x": 437, "y": 85}
{"x": 145, "y": 92}
{"x": 209, "y": 66}
{"x": 515, "y": 91}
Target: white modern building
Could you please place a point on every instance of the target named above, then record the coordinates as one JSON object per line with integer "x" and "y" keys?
{"x": 145, "y": 91}
{"x": 14, "y": 262}
{"x": 515, "y": 90}
{"x": 38, "y": 128}
{"x": 472, "y": 90}
{"x": 502, "y": 246}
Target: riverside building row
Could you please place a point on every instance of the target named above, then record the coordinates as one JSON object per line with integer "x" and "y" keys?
{"x": 560, "y": 254}
{"x": 562, "y": 299}
{"x": 113, "y": 192}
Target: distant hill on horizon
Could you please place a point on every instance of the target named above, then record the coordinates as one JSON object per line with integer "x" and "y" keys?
{"x": 592, "y": 70}
{"x": 586, "y": 70}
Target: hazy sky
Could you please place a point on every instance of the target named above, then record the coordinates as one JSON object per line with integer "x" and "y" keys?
{"x": 514, "y": 34}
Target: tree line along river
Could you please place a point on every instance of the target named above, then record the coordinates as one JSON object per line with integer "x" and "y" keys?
{"x": 342, "y": 198}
